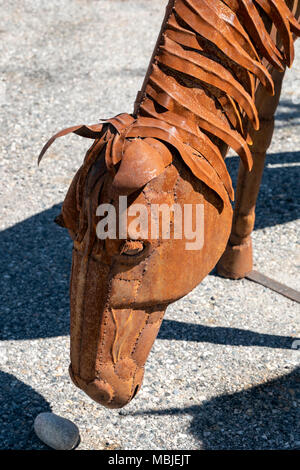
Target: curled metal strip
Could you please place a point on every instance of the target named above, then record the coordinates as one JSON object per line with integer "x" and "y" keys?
{"x": 200, "y": 142}
{"x": 219, "y": 35}
{"x": 208, "y": 71}
{"x": 258, "y": 32}
{"x": 90, "y": 132}
{"x": 200, "y": 87}
{"x": 148, "y": 127}
{"x": 276, "y": 13}
{"x": 205, "y": 119}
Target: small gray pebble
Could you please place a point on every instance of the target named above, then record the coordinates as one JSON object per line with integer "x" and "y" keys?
{"x": 55, "y": 431}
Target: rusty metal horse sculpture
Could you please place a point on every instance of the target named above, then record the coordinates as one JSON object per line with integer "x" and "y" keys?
{"x": 213, "y": 82}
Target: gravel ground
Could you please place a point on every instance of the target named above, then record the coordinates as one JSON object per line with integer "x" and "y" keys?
{"x": 222, "y": 373}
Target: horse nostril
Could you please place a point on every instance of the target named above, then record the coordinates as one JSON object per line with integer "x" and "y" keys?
{"x": 135, "y": 392}
{"x": 97, "y": 389}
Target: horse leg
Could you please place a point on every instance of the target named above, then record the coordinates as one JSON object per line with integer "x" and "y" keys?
{"x": 237, "y": 260}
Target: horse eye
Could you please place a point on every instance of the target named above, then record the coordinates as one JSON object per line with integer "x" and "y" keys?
{"x": 132, "y": 247}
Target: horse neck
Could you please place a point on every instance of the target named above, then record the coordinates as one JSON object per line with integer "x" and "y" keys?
{"x": 208, "y": 62}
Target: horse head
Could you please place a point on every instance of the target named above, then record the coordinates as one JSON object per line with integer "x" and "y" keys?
{"x": 122, "y": 282}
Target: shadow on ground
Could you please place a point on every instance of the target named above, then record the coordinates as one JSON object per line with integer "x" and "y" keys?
{"x": 261, "y": 417}
{"x": 35, "y": 268}
{"x": 19, "y": 405}
{"x": 36, "y": 260}
{"x": 279, "y": 197}
{"x": 287, "y": 114}
{"x": 181, "y": 331}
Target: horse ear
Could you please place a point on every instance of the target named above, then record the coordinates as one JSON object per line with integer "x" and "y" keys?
{"x": 142, "y": 160}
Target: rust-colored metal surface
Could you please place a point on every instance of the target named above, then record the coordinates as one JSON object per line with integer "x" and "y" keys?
{"x": 213, "y": 82}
